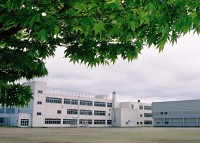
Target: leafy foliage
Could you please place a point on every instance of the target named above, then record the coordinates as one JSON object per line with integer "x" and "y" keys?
{"x": 93, "y": 32}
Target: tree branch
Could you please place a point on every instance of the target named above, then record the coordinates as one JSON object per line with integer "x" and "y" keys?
{"x": 1, "y": 25}
{"x": 7, "y": 33}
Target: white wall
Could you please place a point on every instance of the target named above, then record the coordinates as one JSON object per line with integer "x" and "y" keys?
{"x": 122, "y": 115}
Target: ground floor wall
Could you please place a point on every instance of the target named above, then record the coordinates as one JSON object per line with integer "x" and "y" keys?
{"x": 131, "y": 118}
{"x": 176, "y": 122}
{"x": 18, "y": 120}
{"x": 71, "y": 122}
{"x": 27, "y": 120}
{"x": 9, "y": 119}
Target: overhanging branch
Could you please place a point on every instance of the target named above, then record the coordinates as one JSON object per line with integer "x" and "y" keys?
{"x": 7, "y": 33}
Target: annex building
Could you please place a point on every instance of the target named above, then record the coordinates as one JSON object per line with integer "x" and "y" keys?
{"x": 176, "y": 113}
{"x": 64, "y": 108}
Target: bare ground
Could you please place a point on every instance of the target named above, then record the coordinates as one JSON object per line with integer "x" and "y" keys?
{"x": 100, "y": 135}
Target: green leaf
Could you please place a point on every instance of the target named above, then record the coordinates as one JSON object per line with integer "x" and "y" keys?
{"x": 129, "y": 37}
{"x": 42, "y": 35}
{"x": 80, "y": 6}
{"x": 132, "y": 25}
{"x": 99, "y": 28}
{"x": 57, "y": 30}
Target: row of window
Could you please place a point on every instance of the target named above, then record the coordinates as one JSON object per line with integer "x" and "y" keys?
{"x": 163, "y": 113}
{"x": 74, "y": 121}
{"x": 7, "y": 110}
{"x": 71, "y": 101}
{"x": 82, "y": 112}
{"x": 146, "y": 122}
{"x": 141, "y": 107}
{"x": 146, "y": 115}
{"x": 86, "y": 112}
{"x": 75, "y": 102}
{"x": 145, "y": 107}
{"x": 53, "y": 100}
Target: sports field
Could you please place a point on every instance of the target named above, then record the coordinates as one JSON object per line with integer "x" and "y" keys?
{"x": 99, "y": 135}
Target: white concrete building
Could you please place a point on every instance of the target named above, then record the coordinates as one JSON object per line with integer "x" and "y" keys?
{"x": 62, "y": 108}
{"x": 128, "y": 114}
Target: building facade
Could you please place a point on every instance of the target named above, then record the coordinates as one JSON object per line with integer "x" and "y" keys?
{"x": 128, "y": 114}
{"x": 176, "y": 113}
{"x": 62, "y": 108}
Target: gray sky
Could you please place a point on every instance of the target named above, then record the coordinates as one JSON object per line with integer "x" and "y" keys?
{"x": 173, "y": 74}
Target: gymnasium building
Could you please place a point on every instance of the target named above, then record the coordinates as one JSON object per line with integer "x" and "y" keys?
{"x": 184, "y": 113}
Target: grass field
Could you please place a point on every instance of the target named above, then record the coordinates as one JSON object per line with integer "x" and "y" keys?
{"x": 99, "y": 135}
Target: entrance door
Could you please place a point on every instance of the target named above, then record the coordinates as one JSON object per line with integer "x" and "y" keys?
{"x": 24, "y": 123}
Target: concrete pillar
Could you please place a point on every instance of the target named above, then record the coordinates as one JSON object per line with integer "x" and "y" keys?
{"x": 163, "y": 122}
{"x": 170, "y": 120}
{"x": 197, "y": 122}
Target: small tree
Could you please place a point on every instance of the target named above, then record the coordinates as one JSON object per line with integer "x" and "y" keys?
{"x": 93, "y": 32}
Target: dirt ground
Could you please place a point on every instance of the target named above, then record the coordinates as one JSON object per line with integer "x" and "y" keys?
{"x": 99, "y": 135}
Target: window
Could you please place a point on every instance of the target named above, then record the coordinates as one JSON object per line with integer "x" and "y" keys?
{"x": 67, "y": 101}
{"x": 99, "y": 113}
{"x": 137, "y": 123}
{"x": 147, "y": 115}
{"x": 132, "y": 106}
{"x": 40, "y": 91}
{"x": 2, "y": 110}
{"x": 85, "y": 121}
{"x": 52, "y": 121}
{"x": 85, "y": 112}
{"x": 74, "y": 102}
{"x": 140, "y": 115}
{"x": 53, "y": 100}
{"x": 39, "y": 113}
{"x": 147, "y": 108}
{"x": 165, "y": 113}
{"x": 141, "y": 107}
{"x": 161, "y": 113}
{"x": 10, "y": 110}
{"x": 1, "y": 121}
{"x": 109, "y": 104}
{"x": 166, "y": 122}
{"x": 148, "y": 122}
{"x": 71, "y": 101}
{"x": 100, "y": 104}
{"x": 72, "y": 111}
{"x": 24, "y": 122}
{"x": 141, "y": 123}
{"x": 58, "y": 111}
{"x": 99, "y": 122}
{"x": 70, "y": 121}
{"x": 86, "y": 103}
{"x": 109, "y": 122}
{"x": 39, "y": 102}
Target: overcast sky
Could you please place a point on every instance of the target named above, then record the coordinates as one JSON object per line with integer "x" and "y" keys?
{"x": 173, "y": 74}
